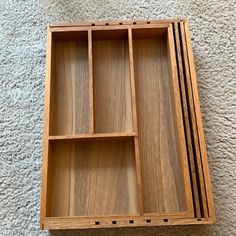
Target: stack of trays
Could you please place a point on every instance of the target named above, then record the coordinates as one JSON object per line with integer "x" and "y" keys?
{"x": 123, "y": 135}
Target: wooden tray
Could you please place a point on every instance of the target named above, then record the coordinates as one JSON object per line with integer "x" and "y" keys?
{"x": 123, "y": 136}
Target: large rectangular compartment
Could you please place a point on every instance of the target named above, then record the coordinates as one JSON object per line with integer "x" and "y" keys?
{"x": 162, "y": 163}
{"x": 92, "y": 178}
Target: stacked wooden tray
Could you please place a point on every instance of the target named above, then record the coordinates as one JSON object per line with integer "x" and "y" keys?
{"x": 123, "y": 138}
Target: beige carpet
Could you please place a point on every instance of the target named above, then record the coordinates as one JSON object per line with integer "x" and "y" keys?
{"x": 22, "y": 64}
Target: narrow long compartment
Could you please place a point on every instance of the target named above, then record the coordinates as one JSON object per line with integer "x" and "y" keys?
{"x": 92, "y": 178}
{"x": 111, "y": 82}
{"x": 165, "y": 181}
{"x": 69, "y": 101}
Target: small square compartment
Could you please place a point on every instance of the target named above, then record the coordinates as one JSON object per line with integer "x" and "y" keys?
{"x": 91, "y": 178}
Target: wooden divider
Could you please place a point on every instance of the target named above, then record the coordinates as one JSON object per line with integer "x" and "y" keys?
{"x": 92, "y": 136}
{"x": 135, "y": 126}
{"x": 90, "y": 74}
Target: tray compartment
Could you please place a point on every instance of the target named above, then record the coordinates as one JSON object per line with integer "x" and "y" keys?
{"x": 92, "y": 178}
{"x": 162, "y": 171}
{"x": 111, "y": 80}
{"x": 70, "y": 84}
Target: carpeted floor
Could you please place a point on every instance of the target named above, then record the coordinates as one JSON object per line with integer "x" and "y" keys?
{"x": 22, "y": 65}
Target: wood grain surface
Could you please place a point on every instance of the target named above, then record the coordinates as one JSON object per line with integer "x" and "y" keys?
{"x": 163, "y": 182}
{"x": 70, "y": 100}
{"x": 135, "y": 126}
{"x": 92, "y": 178}
{"x": 78, "y": 223}
{"x": 178, "y": 120}
{"x": 90, "y": 90}
{"x": 112, "y": 95}
{"x": 48, "y": 73}
{"x": 186, "y": 120}
{"x": 195, "y": 140}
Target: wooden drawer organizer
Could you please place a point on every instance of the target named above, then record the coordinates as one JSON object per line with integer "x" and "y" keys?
{"x": 123, "y": 138}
